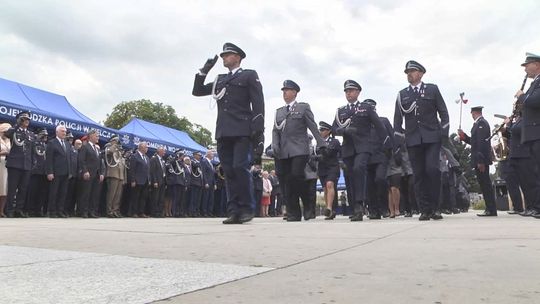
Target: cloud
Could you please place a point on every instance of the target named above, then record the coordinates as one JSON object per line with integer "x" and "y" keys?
{"x": 98, "y": 53}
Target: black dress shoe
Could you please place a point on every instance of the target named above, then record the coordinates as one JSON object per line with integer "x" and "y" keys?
{"x": 535, "y": 213}
{"x": 487, "y": 213}
{"x": 62, "y": 215}
{"x": 456, "y": 211}
{"x": 407, "y": 214}
{"x": 436, "y": 216}
{"x": 233, "y": 219}
{"x": 358, "y": 217}
{"x": 93, "y": 215}
{"x": 245, "y": 217}
{"x": 294, "y": 218}
{"x": 446, "y": 211}
{"x": 374, "y": 216}
{"x": 84, "y": 215}
{"x": 53, "y": 215}
{"x": 515, "y": 211}
{"x": 424, "y": 217}
{"x": 331, "y": 216}
{"x": 21, "y": 214}
{"x": 327, "y": 212}
{"x": 527, "y": 212}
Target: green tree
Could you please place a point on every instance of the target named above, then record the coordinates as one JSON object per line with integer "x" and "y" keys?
{"x": 464, "y": 158}
{"x": 158, "y": 113}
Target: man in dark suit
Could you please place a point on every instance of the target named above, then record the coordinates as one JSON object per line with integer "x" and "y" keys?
{"x": 481, "y": 158}
{"x": 91, "y": 176}
{"x": 19, "y": 164}
{"x": 58, "y": 168}
{"x": 73, "y": 182}
{"x": 239, "y": 127}
{"x": 158, "y": 181}
{"x": 207, "y": 205}
{"x": 139, "y": 177}
{"x": 354, "y": 122}
{"x": 419, "y": 104}
{"x": 530, "y": 125}
{"x": 290, "y": 146}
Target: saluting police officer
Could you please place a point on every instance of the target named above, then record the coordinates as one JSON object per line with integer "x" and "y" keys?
{"x": 354, "y": 122}
{"x": 328, "y": 169}
{"x": 530, "y": 135}
{"x": 290, "y": 145}
{"x": 239, "y": 127}
{"x": 418, "y": 104}
{"x": 19, "y": 164}
{"x": 481, "y": 157}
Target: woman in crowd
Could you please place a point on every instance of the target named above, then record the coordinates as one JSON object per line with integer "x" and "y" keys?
{"x": 5, "y": 146}
{"x": 267, "y": 190}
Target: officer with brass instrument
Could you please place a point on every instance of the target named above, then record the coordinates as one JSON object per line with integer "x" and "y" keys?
{"x": 19, "y": 164}
{"x": 115, "y": 176}
{"x": 531, "y": 116}
{"x": 518, "y": 170}
{"x": 481, "y": 157}
{"x": 239, "y": 127}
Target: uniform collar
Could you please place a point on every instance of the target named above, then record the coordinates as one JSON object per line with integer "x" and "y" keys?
{"x": 418, "y": 86}
{"x": 292, "y": 103}
{"x": 478, "y": 118}
{"x": 235, "y": 70}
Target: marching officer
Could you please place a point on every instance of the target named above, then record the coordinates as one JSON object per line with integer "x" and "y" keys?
{"x": 19, "y": 164}
{"x": 290, "y": 146}
{"x": 354, "y": 122}
{"x": 239, "y": 127}
{"x": 377, "y": 184}
{"x": 530, "y": 135}
{"x": 328, "y": 169}
{"x": 481, "y": 157}
{"x": 418, "y": 104}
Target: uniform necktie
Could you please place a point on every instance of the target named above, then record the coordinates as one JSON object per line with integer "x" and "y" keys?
{"x": 63, "y": 146}
{"x": 288, "y": 108}
{"x": 415, "y": 90}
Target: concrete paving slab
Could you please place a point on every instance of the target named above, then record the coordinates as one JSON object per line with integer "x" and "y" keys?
{"x": 58, "y": 276}
{"x": 461, "y": 259}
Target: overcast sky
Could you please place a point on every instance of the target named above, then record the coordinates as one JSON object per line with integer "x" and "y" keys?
{"x": 99, "y": 53}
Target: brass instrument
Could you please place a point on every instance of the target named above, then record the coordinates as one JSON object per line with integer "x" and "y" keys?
{"x": 113, "y": 154}
{"x": 499, "y": 142}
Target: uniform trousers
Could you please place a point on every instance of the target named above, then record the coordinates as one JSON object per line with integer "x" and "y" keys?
{"x": 356, "y": 174}
{"x": 534, "y": 149}
{"x": 290, "y": 172}
{"x": 377, "y": 186}
{"x": 115, "y": 188}
{"x": 486, "y": 186}
{"x": 18, "y": 181}
{"x": 427, "y": 175}
{"x": 235, "y": 154}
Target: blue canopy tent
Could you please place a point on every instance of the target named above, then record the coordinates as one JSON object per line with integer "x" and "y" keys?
{"x": 47, "y": 109}
{"x": 174, "y": 138}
